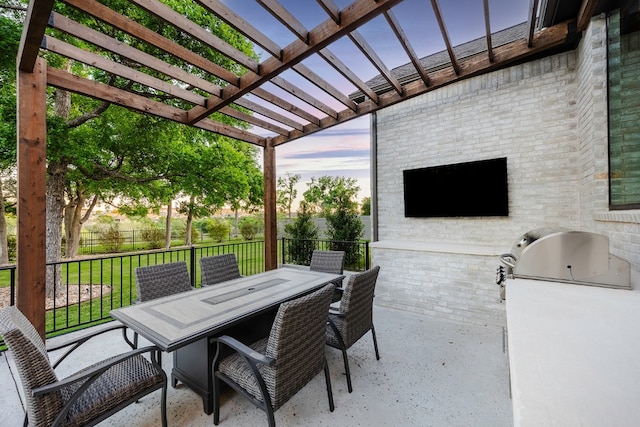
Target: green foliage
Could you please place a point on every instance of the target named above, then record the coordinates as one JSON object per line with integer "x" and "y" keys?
{"x": 250, "y": 227}
{"x": 366, "y": 206}
{"x": 11, "y": 247}
{"x": 286, "y": 192}
{"x": 335, "y": 197}
{"x": 304, "y": 233}
{"x": 111, "y": 237}
{"x": 217, "y": 229}
{"x": 154, "y": 236}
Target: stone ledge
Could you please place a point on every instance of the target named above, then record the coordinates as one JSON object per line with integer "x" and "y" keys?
{"x": 439, "y": 247}
{"x": 630, "y": 216}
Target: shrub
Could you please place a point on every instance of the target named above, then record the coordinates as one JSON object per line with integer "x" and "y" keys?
{"x": 249, "y": 228}
{"x": 304, "y": 233}
{"x": 154, "y": 236}
{"x": 11, "y": 247}
{"x": 112, "y": 238}
{"x": 217, "y": 229}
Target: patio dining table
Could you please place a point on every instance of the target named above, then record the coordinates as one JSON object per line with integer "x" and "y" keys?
{"x": 184, "y": 323}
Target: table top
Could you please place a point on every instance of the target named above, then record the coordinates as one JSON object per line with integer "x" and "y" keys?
{"x": 573, "y": 353}
{"x": 177, "y": 320}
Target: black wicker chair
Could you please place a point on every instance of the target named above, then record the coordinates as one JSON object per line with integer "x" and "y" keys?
{"x": 156, "y": 281}
{"x": 329, "y": 262}
{"x": 161, "y": 280}
{"x": 219, "y": 268}
{"x": 354, "y": 318}
{"x": 86, "y": 397}
{"x": 272, "y": 370}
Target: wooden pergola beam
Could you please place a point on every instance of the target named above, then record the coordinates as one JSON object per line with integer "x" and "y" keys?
{"x": 373, "y": 57}
{"x": 359, "y": 12}
{"x": 487, "y": 27}
{"x": 32, "y": 159}
{"x": 35, "y": 23}
{"x": 406, "y": 45}
{"x": 587, "y": 9}
{"x": 445, "y": 35}
{"x": 531, "y": 23}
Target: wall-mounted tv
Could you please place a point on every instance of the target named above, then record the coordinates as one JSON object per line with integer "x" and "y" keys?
{"x": 457, "y": 190}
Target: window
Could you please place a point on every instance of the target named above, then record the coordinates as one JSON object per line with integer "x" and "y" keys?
{"x": 623, "y": 55}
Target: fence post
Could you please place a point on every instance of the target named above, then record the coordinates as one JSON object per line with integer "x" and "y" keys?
{"x": 284, "y": 260}
{"x": 192, "y": 263}
{"x": 366, "y": 259}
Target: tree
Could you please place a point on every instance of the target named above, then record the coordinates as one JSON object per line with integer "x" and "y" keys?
{"x": 96, "y": 152}
{"x": 335, "y": 198}
{"x": 304, "y": 233}
{"x": 286, "y": 192}
{"x": 10, "y": 29}
{"x": 366, "y": 206}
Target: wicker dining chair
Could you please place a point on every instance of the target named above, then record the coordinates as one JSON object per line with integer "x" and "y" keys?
{"x": 161, "y": 280}
{"x": 86, "y": 397}
{"x": 329, "y": 262}
{"x": 272, "y": 370}
{"x": 219, "y": 268}
{"x": 156, "y": 281}
{"x": 354, "y": 317}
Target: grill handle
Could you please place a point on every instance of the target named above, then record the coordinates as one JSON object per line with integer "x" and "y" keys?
{"x": 508, "y": 259}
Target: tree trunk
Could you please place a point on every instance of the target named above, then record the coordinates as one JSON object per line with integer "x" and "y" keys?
{"x": 167, "y": 237}
{"x": 57, "y": 172}
{"x": 4, "y": 247}
{"x": 189, "y": 226}
{"x": 236, "y": 213}
{"x": 73, "y": 220}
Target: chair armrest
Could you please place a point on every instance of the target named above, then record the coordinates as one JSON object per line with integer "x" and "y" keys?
{"x": 243, "y": 349}
{"x": 91, "y": 374}
{"x": 78, "y": 341}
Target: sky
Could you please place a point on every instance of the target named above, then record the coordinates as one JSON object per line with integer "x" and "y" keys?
{"x": 344, "y": 150}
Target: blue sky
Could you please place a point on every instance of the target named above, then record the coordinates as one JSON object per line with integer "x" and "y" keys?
{"x": 344, "y": 150}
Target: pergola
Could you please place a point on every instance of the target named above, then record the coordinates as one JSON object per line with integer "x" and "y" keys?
{"x": 569, "y": 19}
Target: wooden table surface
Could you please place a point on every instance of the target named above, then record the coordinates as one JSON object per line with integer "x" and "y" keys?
{"x": 177, "y": 320}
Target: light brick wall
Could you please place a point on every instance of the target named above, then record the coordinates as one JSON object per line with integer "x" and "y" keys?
{"x": 548, "y": 117}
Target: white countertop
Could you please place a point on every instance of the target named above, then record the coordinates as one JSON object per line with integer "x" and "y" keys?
{"x": 574, "y": 354}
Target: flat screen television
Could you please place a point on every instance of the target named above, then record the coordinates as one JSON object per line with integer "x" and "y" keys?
{"x": 468, "y": 189}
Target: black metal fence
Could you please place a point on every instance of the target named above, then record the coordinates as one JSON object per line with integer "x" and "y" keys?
{"x": 298, "y": 251}
{"x": 87, "y": 289}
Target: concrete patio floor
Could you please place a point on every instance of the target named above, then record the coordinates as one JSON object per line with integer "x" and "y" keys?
{"x": 431, "y": 373}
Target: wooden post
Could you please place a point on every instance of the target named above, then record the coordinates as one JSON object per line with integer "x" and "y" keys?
{"x": 31, "y": 233}
{"x": 270, "y": 218}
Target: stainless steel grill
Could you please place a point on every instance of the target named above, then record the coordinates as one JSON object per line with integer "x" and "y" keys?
{"x": 561, "y": 255}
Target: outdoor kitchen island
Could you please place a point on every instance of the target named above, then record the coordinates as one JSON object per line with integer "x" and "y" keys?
{"x": 574, "y": 353}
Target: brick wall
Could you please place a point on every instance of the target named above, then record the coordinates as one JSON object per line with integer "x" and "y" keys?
{"x": 548, "y": 117}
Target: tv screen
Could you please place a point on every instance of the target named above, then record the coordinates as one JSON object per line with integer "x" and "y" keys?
{"x": 457, "y": 190}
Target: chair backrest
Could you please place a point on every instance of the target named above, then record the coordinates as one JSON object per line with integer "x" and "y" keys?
{"x": 34, "y": 367}
{"x": 219, "y": 268}
{"x": 156, "y": 281}
{"x": 356, "y": 305}
{"x": 327, "y": 261}
{"x": 297, "y": 342}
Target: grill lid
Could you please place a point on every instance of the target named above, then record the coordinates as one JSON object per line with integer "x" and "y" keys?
{"x": 562, "y": 255}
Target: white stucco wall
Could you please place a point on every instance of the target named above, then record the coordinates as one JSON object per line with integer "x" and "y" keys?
{"x": 548, "y": 117}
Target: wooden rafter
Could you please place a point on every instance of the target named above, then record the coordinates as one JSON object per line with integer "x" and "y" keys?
{"x": 406, "y": 45}
{"x": 487, "y": 26}
{"x": 445, "y": 35}
{"x": 587, "y": 9}
{"x": 304, "y": 96}
{"x": 359, "y": 12}
{"x": 35, "y": 23}
{"x": 531, "y": 23}
{"x": 332, "y": 9}
{"x": 327, "y": 87}
{"x": 239, "y": 24}
{"x": 285, "y": 18}
{"x": 346, "y": 72}
{"x": 373, "y": 57}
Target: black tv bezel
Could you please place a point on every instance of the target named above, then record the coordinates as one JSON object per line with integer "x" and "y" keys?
{"x": 481, "y": 202}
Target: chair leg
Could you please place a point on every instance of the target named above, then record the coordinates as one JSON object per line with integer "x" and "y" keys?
{"x": 375, "y": 342}
{"x": 216, "y": 400}
{"x": 327, "y": 378}
{"x": 164, "y": 404}
{"x": 346, "y": 369}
